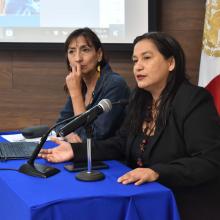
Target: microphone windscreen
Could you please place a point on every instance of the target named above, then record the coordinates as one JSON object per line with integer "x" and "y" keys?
{"x": 35, "y": 131}
{"x": 105, "y": 104}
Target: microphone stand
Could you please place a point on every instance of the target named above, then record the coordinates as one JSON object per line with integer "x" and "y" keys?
{"x": 89, "y": 174}
{"x": 38, "y": 170}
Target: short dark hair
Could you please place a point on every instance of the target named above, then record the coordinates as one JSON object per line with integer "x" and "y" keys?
{"x": 92, "y": 40}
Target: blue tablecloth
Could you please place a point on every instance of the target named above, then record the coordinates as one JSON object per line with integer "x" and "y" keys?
{"x": 62, "y": 197}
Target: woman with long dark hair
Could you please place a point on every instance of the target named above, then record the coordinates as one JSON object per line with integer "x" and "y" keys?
{"x": 90, "y": 79}
{"x": 171, "y": 133}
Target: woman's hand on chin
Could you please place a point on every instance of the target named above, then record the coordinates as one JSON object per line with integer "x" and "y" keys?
{"x": 73, "y": 81}
{"x": 63, "y": 152}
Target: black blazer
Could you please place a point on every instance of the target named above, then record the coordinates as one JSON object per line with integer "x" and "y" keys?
{"x": 185, "y": 152}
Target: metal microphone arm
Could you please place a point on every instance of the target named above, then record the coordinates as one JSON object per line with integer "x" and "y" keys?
{"x": 32, "y": 169}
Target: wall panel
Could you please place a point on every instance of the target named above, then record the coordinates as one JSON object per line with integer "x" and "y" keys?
{"x": 31, "y": 82}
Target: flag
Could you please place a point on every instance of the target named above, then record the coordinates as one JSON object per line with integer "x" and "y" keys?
{"x": 209, "y": 72}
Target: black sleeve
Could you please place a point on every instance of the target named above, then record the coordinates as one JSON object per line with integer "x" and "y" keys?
{"x": 201, "y": 132}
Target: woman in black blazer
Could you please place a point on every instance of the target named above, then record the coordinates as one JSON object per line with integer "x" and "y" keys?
{"x": 171, "y": 133}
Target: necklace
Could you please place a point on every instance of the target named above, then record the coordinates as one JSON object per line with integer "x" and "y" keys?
{"x": 148, "y": 132}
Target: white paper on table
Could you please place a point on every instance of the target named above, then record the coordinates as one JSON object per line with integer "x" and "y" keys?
{"x": 20, "y": 137}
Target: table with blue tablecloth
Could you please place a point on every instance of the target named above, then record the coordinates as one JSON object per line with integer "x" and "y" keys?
{"x": 62, "y": 197}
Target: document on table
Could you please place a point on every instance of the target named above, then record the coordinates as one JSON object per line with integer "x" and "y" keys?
{"x": 18, "y": 138}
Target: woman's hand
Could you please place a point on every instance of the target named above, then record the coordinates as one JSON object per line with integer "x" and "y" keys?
{"x": 139, "y": 176}
{"x": 63, "y": 152}
{"x": 73, "y": 138}
{"x": 73, "y": 80}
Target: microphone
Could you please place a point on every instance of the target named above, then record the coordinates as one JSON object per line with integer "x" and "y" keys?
{"x": 39, "y": 170}
{"x": 85, "y": 118}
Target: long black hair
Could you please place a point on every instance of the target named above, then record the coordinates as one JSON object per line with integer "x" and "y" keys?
{"x": 141, "y": 100}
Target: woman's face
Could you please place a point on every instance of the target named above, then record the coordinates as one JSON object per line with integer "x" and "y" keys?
{"x": 79, "y": 51}
{"x": 151, "y": 69}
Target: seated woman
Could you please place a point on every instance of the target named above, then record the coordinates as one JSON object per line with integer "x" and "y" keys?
{"x": 90, "y": 80}
{"x": 171, "y": 133}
